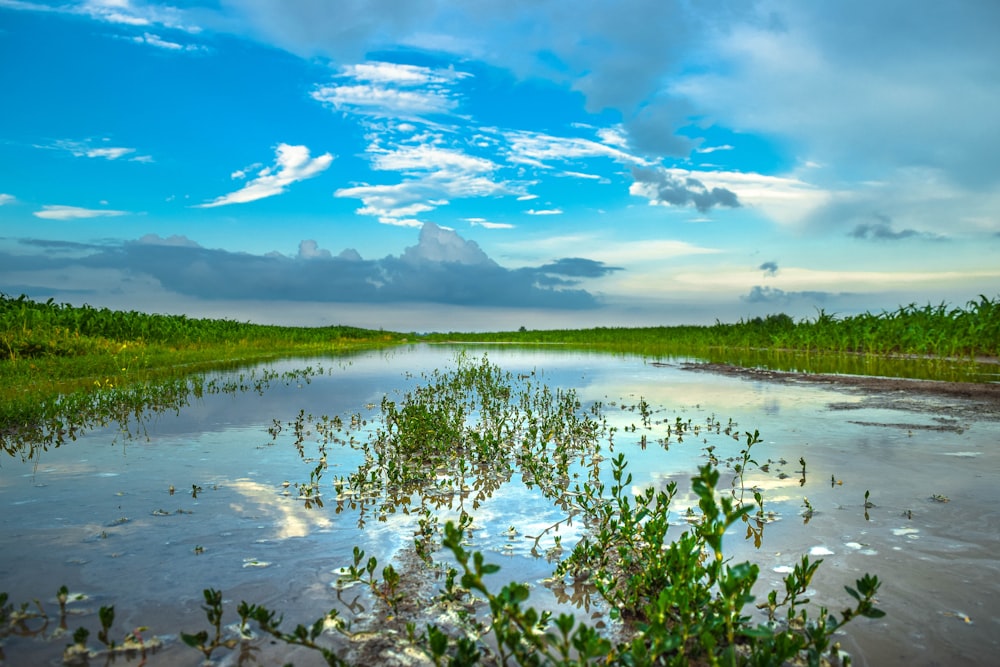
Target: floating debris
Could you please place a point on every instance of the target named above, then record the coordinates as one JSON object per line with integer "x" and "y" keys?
{"x": 253, "y": 562}
{"x": 820, "y": 551}
{"x": 959, "y": 615}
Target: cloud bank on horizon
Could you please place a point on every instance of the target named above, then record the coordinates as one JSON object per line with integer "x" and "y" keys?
{"x": 634, "y": 162}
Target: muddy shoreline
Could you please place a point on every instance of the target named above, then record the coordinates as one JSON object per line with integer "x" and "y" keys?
{"x": 982, "y": 398}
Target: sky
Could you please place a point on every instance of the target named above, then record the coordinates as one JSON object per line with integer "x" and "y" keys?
{"x": 444, "y": 165}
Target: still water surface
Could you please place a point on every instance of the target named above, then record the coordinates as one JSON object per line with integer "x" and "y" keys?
{"x": 99, "y": 516}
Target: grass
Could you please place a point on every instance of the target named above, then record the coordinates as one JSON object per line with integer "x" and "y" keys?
{"x": 940, "y": 331}
{"x": 56, "y": 358}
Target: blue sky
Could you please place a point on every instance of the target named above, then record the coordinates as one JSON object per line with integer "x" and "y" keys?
{"x": 445, "y": 165}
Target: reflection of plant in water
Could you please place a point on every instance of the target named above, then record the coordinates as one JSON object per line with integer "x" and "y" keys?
{"x": 449, "y": 444}
{"x": 128, "y": 406}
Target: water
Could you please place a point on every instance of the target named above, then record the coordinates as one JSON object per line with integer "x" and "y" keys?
{"x": 98, "y": 514}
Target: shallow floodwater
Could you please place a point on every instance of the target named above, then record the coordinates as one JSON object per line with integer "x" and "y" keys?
{"x": 207, "y": 498}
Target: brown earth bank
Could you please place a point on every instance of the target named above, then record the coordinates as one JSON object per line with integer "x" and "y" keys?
{"x": 981, "y": 398}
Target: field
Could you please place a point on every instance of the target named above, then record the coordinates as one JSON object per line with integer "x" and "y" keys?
{"x": 680, "y": 599}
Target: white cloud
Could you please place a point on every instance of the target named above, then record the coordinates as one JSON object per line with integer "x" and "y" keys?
{"x": 537, "y": 147}
{"x": 433, "y": 175}
{"x": 155, "y": 40}
{"x": 425, "y": 157}
{"x": 292, "y": 164}
{"x": 87, "y": 148}
{"x": 544, "y": 211}
{"x": 122, "y": 12}
{"x": 382, "y": 101}
{"x": 6, "y": 199}
{"x": 483, "y": 222}
{"x": 392, "y": 90}
{"x": 712, "y": 149}
{"x": 109, "y": 153}
{"x": 402, "y": 75}
{"x": 57, "y": 212}
{"x": 129, "y": 13}
{"x": 309, "y": 249}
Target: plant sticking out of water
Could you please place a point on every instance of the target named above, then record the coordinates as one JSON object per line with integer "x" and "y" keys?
{"x": 688, "y": 607}
{"x": 207, "y": 641}
{"x": 808, "y": 512}
{"x": 868, "y": 504}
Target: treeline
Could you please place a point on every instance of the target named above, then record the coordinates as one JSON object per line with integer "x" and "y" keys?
{"x": 909, "y": 330}
{"x": 31, "y": 329}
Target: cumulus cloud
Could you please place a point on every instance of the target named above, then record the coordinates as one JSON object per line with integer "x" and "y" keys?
{"x": 309, "y": 249}
{"x": 57, "y": 212}
{"x": 440, "y": 245}
{"x": 664, "y": 186}
{"x": 292, "y": 164}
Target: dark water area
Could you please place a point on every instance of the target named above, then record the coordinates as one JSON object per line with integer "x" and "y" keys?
{"x": 207, "y": 497}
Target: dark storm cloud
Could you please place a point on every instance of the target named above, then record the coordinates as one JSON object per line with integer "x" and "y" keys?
{"x": 881, "y": 231}
{"x": 769, "y": 268}
{"x": 677, "y": 191}
{"x": 441, "y": 268}
{"x": 578, "y": 267}
{"x": 773, "y": 295}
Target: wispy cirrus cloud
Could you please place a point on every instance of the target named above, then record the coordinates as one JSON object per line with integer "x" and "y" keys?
{"x": 391, "y": 90}
{"x": 150, "y": 39}
{"x": 7, "y": 199}
{"x": 120, "y": 12}
{"x": 58, "y": 212}
{"x": 96, "y": 149}
{"x": 486, "y": 224}
{"x": 538, "y": 148}
{"x": 292, "y": 164}
{"x": 433, "y": 175}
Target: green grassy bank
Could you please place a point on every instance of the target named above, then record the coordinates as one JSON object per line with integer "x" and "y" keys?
{"x": 941, "y": 331}
{"x": 52, "y": 351}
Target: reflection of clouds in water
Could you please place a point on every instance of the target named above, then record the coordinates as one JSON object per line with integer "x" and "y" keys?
{"x": 685, "y": 498}
{"x": 289, "y": 518}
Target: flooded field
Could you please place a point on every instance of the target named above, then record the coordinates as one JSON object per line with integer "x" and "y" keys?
{"x": 227, "y": 494}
